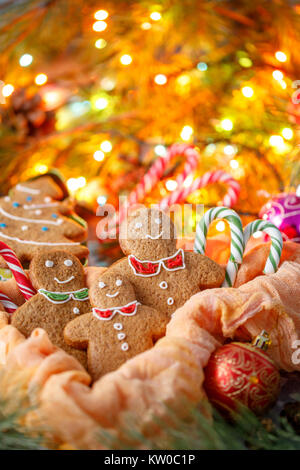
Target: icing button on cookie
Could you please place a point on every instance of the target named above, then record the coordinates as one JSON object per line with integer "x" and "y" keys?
{"x": 45, "y": 229}
{"x": 163, "y": 285}
{"x": 38, "y": 212}
{"x": 24, "y": 227}
{"x": 76, "y": 310}
{"x": 16, "y": 204}
{"x": 124, "y": 347}
{"x": 121, "y": 336}
{"x": 118, "y": 326}
{"x": 170, "y": 301}
{"x": 3, "y": 225}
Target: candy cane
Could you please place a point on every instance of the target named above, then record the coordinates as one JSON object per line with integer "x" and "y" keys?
{"x": 7, "y": 303}
{"x": 218, "y": 176}
{"x": 156, "y": 171}
{"x": 15, "y": 266}
{"x": 237, "y": 239}
{"x": 258, "y": 225}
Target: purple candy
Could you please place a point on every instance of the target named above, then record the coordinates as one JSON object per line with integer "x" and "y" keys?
{"x": 283, "y": 211}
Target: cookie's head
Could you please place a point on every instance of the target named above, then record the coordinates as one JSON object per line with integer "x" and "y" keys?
{"x": 148, "y": 234}
{"x": 111, "y": 290}
{"x": 57, "y": 271}
{"x": 42, "y": 190}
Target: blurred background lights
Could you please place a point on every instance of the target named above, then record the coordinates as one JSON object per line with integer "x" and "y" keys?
{"x": 41, "y": 79}
{"x": 126, "y": 59}
{"x": 247, "y": 91}
{"x": 276, "y": 141}
{"x": 100, "y": 43}
{"x": 80, "y": 107}
{"x": 229, "y": 150}
{"x": 183, "y": 80}
{"x": 245, "y": 62}
{"x": 101, "y": 200}
{"x": 99, "y": 156}
{"x": 40, "y": 168}
{"x": 106, "y": 146}
{"x": 155, "y": 16}
{"x": 101, "y": 15}
{"x": 171, "y": 185}
{"x": 146, "y": 25}
{"x": 281, "y": 56}
{"x": 160, "y": 150}
{"x": 277, "y": 75}
{"x": 25, "y": 60}
{"x": 160, "y": 79}
{"x": 108, "y": 83}
{"x": 7, "y": 90}
{"x": 234, "y": 164}
{"x": 202, "y": 66}
{"x": 101, "y": 103}
{"x": 186, "y": 132}
{"x": 220, "y": 226}
{"x": 227, "y": 124}
{"x": 287, "y": 133}
{"x": 99, "y": 26}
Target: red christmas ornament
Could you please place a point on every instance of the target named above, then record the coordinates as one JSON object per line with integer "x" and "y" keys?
{"x": 240, "y": 373}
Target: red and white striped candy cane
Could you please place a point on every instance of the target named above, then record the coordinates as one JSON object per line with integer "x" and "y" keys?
{"x": 219, "y": 176}
{"x": 151, "y": 178}
{"x": 15, "y": 266}
{"x": 7, "y": 303}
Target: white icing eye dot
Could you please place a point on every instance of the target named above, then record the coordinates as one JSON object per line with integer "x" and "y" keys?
{"x": 101, "y": 284}
{"x": 68, "y": 262}
{"x": 118, "y": 282}
{"x": 49, "y": 263}
{"x": 157, "y": 221}
{"x": 47, "y": 199}
{"x": 138, "y": 225}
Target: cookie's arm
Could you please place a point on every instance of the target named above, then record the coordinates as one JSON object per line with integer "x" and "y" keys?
{"x": 23, "y": 320}
{"x": 157, "y": 324}
{"x": 76, "y": 332}
{"x": 207, "y": 272}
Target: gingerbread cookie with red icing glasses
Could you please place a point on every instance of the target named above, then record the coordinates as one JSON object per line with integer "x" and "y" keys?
{"x": 163, "y": 276}
{"x": 118, "y": 328}
{"x": 58, "y": 277}
{"x": 33, "y": 219}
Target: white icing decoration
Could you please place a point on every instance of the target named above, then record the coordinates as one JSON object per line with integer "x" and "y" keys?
{"x": 160, "y": 262}
{"x": 124, "y": 347}
{"x": 28, "y": 207}
{"x": 7, "y": 199}
{"x": 76, "y": 310}
{"x": 68, "y": 262}
{"x": 101, "y": 284}
{"x": 119, "y": 282}
{"x": 154, "y": 238}
{"x": 170, "y": 301}
{"x": 163, "y": 285}
{"x": 113, "y": 295}
{"x": 121, "y": 336}
{"x": 47, "y": 199}
{"x": 29, "y": 242}
{"x": 118, "y": 326}
{"x": 49, "y": 263}
{"x": 64, "y": 282}
{"x": 24, "y": 189}
{"x": 33, "y": 221}
{"x": 70, "y": 294}
{"x": 138, "y": 225}
{"x": 157, "y": 221}
{"x": 38, "y": 212}
{"x": 24, "y": 228}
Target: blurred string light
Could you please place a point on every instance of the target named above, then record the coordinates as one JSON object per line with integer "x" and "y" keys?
{"x": 183, "y": 80}
{"x": 210, "y": 149}
{"x": 287, "y": 133}
{"x": 282, "y": 84}
{"x": 99, "y": 26}
{"x": 155, "y": 16}
{"x": 146, "y": 26}
{"x": 277, "y": 75}
{"x": 101, "y": 103}
{"x": 276, "y": 141}
{"x": 100, "y": 43}
{"x": 245, "y": 62}
{"x": 41, "y": 79}
{"x": 160, "y": 79}
{"x": 186, "y": 133}
{"x": 171, "y": 185}
{"x": 202, "y": 66}
{"x": 106, "y": 146}
{"x": 229, "y": 150}
{"x": 99, "y": 156}
{"x": 108, "y": 83}
{"x": 281, "y": 56}
{"x": 7, "y": 90}
{"x": 234, "y": 164}
{"x": 74, "y": 184}
{"x": 25, "y": 60}
{"x": 160, "y": 150}
{"x": 126, "y": 59}
{"x": 101, "y": 15}
{"x": 227, "y": 124}
{"x": 247, "y": 91}
{"x": 40, "y": 168}
{"x": 80, "y": 107}
{"x": 101, "y": 200}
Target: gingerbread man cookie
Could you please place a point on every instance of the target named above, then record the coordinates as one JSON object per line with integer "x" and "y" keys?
{"x": 163, "y": 276}
{"x": 33, "y": 219}
{"x": 118, "y": 328}
{"x": 62, "y": 295}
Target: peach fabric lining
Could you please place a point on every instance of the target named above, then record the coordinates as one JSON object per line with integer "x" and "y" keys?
{"x": 172, "y": 371}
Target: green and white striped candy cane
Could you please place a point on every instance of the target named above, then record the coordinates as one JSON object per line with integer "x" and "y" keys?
{"x": 237, "y": 245}
{"x": 276, "y": 242}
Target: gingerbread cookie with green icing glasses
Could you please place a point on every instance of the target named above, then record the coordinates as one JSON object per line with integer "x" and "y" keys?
{"x": 118, "y": 328}
{"x": 58, "y": 277}
{"x": 33, "y": 219}
{"x": 163, "y": 276}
